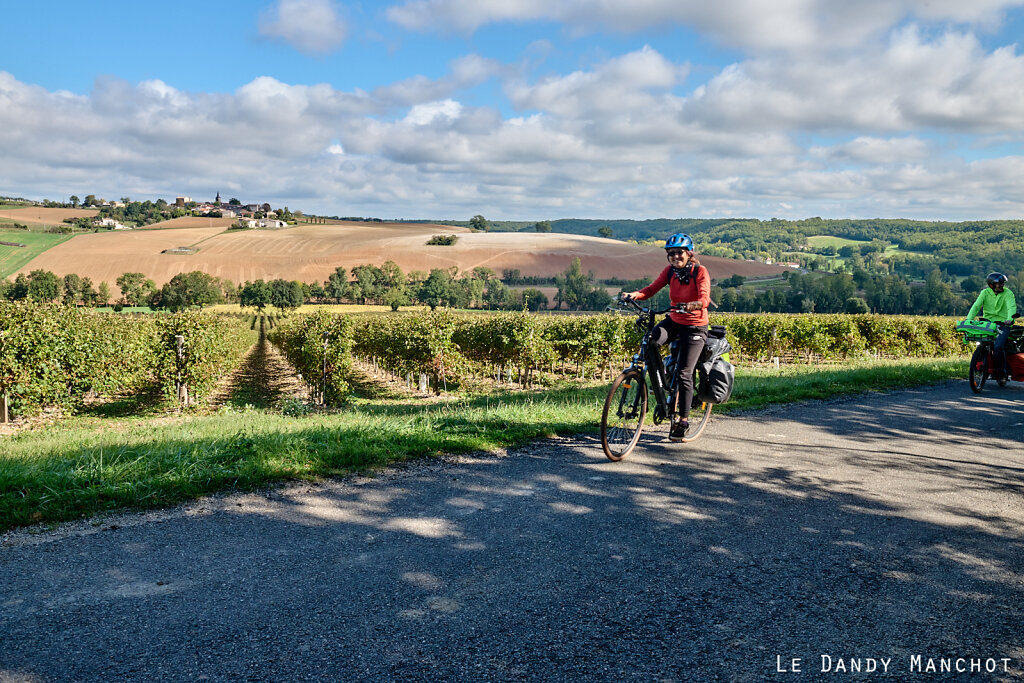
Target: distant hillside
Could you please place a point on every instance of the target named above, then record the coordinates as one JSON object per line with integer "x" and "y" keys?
{"x": 622, "y": 229}
{"x": 310, "y": 253}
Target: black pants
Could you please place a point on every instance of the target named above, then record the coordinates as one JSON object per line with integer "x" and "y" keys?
{"x": 691, "y": 340}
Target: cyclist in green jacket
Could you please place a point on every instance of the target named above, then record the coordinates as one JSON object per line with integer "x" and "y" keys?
{"x": 996, "y": 303}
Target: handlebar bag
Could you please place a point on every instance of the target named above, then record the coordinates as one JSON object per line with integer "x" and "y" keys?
{"x": 977, "y": 328}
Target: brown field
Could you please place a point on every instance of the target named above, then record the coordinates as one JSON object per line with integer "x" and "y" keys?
{"x": 39, "y": 216}
{"x": 191, "y": 222}
{"x": 309, "y": 253}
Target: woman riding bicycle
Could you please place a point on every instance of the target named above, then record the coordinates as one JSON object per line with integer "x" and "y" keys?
{"x": 689, "y": 288}
{"x": 996, "y": 303}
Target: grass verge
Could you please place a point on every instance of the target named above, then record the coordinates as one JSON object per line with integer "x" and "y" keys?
{"x": 90, "y": 464}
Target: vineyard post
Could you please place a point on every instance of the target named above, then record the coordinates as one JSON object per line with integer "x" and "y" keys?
{"x": 182, "y": 389}
{"x": 323, "y": 377}
{"x": 4, "y": 399}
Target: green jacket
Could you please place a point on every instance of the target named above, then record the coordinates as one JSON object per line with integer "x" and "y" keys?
{"x": 996, "y": 307}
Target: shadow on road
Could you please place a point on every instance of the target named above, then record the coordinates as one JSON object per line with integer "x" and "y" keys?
{"x": 888, "y": 526}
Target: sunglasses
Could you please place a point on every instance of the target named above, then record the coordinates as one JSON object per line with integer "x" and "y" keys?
{"x": 677, "y": 252}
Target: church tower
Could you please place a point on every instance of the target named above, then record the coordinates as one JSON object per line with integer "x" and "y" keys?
{"x": 217, "y": 200}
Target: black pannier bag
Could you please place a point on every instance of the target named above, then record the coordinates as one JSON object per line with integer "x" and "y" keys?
{"x": 1015, "y": 342}
{"x": 716, "y": 374}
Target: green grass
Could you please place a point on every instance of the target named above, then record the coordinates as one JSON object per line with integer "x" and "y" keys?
{"x": 91, "y": 463}
{"x": 822, "y": 241}
{"x": 14, "y": 258}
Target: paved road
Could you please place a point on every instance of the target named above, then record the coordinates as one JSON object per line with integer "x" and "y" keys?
{"x": 881, "y": 532}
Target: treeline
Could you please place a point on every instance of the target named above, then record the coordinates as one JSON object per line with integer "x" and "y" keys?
{"x": 184, "y": 290}
{"x": 446, "y": 288}
{"x": 861, "y": 292}
{"x": 368, "y": 284}
{"x": 481, "y": 288}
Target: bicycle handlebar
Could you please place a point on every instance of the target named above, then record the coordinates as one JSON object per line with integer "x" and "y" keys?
{"x": 680, "y": 308}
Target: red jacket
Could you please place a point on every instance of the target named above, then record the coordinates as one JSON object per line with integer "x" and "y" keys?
{"x": 699, "y": 289}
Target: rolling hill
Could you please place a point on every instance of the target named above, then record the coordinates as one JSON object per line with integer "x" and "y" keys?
{"x": 311, "y": 252}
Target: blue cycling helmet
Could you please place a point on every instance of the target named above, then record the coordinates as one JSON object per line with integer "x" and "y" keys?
{"x": 680, "y": 240}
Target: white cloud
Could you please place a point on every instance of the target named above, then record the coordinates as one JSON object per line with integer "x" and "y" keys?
{"x": 311, "y": 26}
{"x": 871, "y": 134}
{"x": 615, "y": 85}
{"x": 786, "y": 24}
{"x": 425, "y": 114}
{"x": 950, "y": 83}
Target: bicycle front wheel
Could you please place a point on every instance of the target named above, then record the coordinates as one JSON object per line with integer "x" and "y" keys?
{"x": 978, "y": 372}
{"x": 623, "y": 417}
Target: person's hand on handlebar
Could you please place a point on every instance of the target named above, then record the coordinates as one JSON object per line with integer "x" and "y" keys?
{"x": 691, "y": 306}
{"x": 635, "y": 296}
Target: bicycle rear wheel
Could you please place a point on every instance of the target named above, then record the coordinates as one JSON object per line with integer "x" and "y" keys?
{"x": 978, "y": 372}
{"x": 622, "y": 419}
{"x": 700, "y": 415}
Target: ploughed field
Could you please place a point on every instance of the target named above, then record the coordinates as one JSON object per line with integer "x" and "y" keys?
{"x": 310, "y": 253}
{"x": 35, "y": 215}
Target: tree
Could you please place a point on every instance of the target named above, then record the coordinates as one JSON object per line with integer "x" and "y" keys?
{"x": 336, "y": 286}
{"x": 286, "y": 294}
{"x": 396, "y": 297}
{"x": 74, "y": 201}
{"x": 437, "y": 289}
{"x": 103, "y": 292}
{"x": 543, "y": 226}
{"x": 89, "y": 293}
{"x": 188, "y": 289}
{"x": 480, "y": 223}
{"x": 736, "y": 280}
{"x": 534, "y": 299}
{"x": 135, "y": 288}
{"x": 234, "y": 202}
{"x": 43, "y": 285}
{"x": 18, "y": 290}
{"x": 974, "y": 284}
{"x": 573, "y": 285}
{"x": 72, "y": 290}
{"x": 255, "y": 294}
{"x": 856, "y": 304}
{"x": 369, "y": 279}
{"x": 605, "y": 231}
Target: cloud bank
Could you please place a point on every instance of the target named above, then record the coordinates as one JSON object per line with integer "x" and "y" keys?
{"x": 923, "y": 124}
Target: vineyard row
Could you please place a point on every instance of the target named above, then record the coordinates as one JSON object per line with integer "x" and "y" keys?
{"x": 454, "y": 348}
{"x": 55, "y": 356}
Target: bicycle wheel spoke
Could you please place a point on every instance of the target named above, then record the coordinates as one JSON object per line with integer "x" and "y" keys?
{"x": 623, "y": 416}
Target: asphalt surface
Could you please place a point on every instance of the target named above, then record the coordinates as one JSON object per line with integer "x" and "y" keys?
{"x": 876, "y": 538}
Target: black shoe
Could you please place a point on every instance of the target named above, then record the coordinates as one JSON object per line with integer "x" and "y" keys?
{"x": 678, "y": 430}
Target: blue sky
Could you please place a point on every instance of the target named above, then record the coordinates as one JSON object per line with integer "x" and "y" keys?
{"x": 522, "y": 109}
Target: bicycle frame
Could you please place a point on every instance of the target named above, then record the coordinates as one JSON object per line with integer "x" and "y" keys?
{"x": 648, "y": 361}
{"x": 625, "y": 408}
